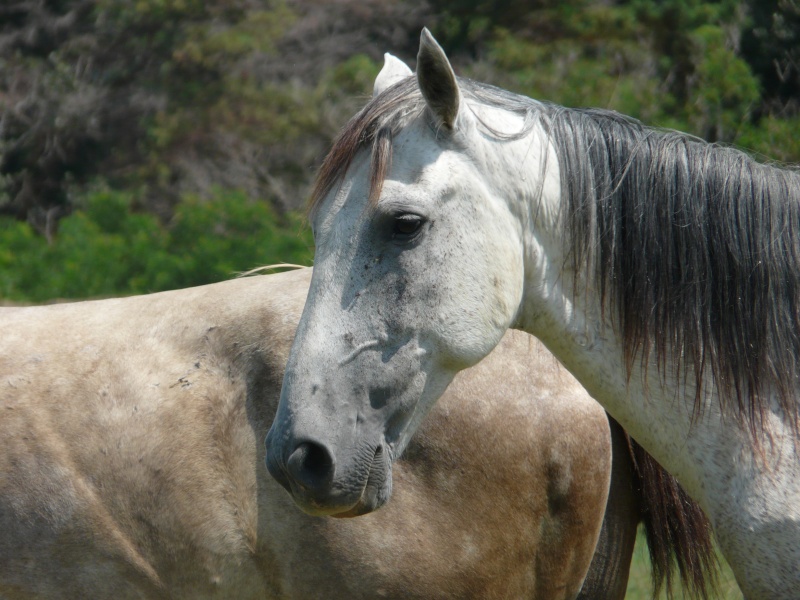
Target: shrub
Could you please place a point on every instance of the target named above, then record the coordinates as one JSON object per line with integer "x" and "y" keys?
{"x": 108, "y": 249}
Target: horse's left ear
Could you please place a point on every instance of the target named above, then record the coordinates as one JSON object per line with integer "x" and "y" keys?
{"x": 437, "y": 81}
{"x": 393, "y": 71}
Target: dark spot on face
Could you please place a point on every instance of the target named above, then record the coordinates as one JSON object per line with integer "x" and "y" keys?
{"x": 378, "y": 397}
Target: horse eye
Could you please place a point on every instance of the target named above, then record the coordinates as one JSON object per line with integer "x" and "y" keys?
{"x": 407, "y": 225}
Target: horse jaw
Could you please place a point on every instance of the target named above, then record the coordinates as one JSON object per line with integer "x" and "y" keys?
{"x": 375, "y": 306}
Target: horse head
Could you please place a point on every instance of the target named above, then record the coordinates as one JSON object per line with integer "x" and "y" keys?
{"x": 418, "y": 273}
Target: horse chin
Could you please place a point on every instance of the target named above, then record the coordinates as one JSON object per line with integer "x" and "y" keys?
{"x": 362, "y": 508}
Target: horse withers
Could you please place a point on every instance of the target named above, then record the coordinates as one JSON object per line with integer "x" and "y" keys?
{"x": 132, "y": 466}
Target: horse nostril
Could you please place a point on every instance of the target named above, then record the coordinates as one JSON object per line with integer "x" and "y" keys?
{"x": 311, "y": 466}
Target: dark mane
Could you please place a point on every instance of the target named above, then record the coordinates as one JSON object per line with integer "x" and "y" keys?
{"x": 696, "y": 250}
{"x": 695, "y": 247}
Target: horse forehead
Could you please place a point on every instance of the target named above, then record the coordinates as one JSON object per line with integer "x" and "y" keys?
{"x": 416, "y": 184}
{"x": 426, "y": 172}
{"x": 421, "y": 167}
{"x": 415, "y": 147}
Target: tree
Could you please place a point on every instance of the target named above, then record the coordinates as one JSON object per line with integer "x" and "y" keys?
{"x": 169, "y": 99}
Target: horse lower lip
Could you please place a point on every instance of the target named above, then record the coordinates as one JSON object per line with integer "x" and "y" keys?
{"x": 371, "y": 486}
{"x": 356, "y": 511}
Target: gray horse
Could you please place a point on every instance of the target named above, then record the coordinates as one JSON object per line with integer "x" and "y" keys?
{"x": 133, "y": 467}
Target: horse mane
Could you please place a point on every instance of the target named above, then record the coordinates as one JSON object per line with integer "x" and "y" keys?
{"x": 696, "y": 250}
{"x": 694, "y": 246}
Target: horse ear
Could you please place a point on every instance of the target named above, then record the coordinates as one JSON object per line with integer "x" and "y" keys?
{"x": 393, "y": 71}
{"x": 437, "y": 81}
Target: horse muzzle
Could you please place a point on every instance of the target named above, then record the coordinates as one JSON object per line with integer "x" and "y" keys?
{"x": 322, "y": 486}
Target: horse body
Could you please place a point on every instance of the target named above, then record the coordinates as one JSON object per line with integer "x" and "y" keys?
{"x": 125, "y": 450}
{"x": 446, "y": 214}
{"x": 132, "y": 466}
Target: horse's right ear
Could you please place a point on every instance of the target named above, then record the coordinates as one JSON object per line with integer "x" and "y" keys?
{"x": 393, "y": 71}
{"x": 437, "y": 81}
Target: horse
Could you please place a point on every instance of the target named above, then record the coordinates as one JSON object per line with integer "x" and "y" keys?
{"x": 132, "y": 467}
{"x": 661, "y": 270}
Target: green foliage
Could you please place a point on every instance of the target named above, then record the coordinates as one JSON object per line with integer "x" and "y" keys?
{"x": 773, "y": 137}
{"x": 723, "y": 89}
{"x": 579, "y": 71}
{"x": 771, "y": 45}
{"x": 355, "y": 75}
{"x": 177, "y": 102}
{"x": 675, "y": 64}
{"x": 132, "y": 92}
{"x": 106, "y": 249}
{"x": 230, "y": 234}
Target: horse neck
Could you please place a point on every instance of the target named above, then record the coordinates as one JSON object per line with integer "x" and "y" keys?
{"x": 564, "y": 312}
{"x": 653, "y": 405}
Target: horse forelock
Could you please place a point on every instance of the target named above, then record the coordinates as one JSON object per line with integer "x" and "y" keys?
{"x": 374, "y": 125}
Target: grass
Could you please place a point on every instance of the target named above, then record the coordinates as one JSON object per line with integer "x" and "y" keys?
{"x": 639, "y": 587}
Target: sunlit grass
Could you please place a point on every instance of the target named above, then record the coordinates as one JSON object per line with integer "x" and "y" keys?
{"x": 639, "y": 587}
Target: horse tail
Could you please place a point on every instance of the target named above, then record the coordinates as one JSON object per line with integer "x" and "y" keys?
{"x": 678, "y": 532}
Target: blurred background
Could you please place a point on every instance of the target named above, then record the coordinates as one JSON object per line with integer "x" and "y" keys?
{"x": 156, "y": 144}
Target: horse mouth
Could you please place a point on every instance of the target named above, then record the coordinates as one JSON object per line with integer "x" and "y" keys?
{"x": 377, "y": 489}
